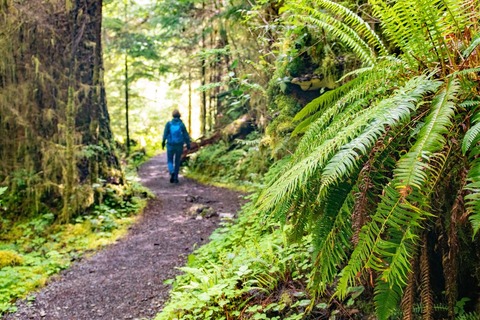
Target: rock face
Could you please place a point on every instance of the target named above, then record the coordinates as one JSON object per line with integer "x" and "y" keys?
{"x": 314, "y": 82}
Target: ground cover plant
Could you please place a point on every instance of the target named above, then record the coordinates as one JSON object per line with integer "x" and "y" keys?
{"x": 256, "y": 280}
{"x": 32, "y": 249}
{"x": 251, "y": 269}
{"x": 240, "y": 163}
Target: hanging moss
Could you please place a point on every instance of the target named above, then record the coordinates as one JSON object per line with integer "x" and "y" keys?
{"x": 52, "y": 106}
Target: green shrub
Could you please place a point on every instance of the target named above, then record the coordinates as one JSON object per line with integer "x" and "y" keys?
{"x": 241, "y": 162}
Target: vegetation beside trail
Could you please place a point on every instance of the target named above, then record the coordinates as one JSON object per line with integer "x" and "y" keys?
{"x": 379, "y": 171}
{"x": 32, "y": 249}
{"x": 262, "y": 279}
{"x": 240, "y": 164}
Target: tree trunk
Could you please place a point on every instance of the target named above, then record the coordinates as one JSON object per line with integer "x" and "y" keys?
{"x": 190, "y": 101}
{"x": 127, "y": 122}
{"x": 203, "y": 110}
{"x": 53, "y": 106}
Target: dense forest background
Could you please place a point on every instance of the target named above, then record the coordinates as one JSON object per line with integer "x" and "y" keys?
{"x": 353, "y": 124}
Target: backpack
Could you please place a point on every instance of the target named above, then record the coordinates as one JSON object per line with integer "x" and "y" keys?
{"x": 176, "y": 134}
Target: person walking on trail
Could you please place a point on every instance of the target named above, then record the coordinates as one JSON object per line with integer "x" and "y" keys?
{"x": 175, "y": 135}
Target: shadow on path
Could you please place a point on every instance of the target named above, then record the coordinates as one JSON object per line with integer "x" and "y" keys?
{"x": 125, "y": 280}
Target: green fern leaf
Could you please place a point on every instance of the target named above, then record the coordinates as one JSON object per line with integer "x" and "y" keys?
{"x": 339, "y": 114}
{"x": 473, "y": 186}
{"x": 471, "y": 137}
{"x": 411, "y": 169}
{"x": 357, "y": 23}
{"x": 326, "y": 99}
{"x": 466, "y": 71}
{"x": 469, "y": 104}
{"x": 386, "y": 299}
{"x": 346, "y": 34}
{"x": 394, "y": 216}
{"x": 332, "y": 234}
{"x": 390, "y": 112}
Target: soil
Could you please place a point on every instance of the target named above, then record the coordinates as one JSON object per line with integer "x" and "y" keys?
{"x": 126, "y": 279}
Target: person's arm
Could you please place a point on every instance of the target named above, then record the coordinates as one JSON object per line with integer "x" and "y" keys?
{"x": 166, "y": 131}
{"x": 186, "y": 136}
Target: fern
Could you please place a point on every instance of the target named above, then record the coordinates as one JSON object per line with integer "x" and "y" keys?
{"x": 368, "y": 85}
{"x": 367, "y": 88}
{"x": 353, "y": 20}
{"x": 411, "y": 171}
{"x": 473, "y": 186}
{"x": 390, "y": 254}
{"x": 332, "y": 238}
{"x": 469, "y": 316}
{"x": 400, "y": 26}
{"x": 397, "y": 215}
{"x": 471, "y": 138}
{"x": 386, "y": 113}
{"x": 392, "y": 111}
{"x": 386, "y": 298}
{"x": 326, "y": 99}
{"x": 417, "y": 119}
{"x": 339, "y": 29}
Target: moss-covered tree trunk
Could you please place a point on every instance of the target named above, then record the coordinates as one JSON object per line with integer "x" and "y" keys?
{"x": 52, "y": 105}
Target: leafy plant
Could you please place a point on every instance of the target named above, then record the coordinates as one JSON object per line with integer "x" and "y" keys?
{"x": 32, "y": 249}
{"x": 241, "y": 162}
{"x": 244, "y": 272}
{"x": 380, "y": 162}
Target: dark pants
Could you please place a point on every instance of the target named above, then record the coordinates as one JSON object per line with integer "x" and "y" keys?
{"x": 174, "y": 155}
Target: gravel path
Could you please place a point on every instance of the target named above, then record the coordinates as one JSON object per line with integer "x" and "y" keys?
{"x": 125, "y": 280}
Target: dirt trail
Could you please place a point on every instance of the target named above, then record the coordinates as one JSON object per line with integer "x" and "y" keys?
{"x": 125, "y": 280}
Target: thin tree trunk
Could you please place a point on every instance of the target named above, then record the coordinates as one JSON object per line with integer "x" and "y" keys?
{"x": 127, "y": 123}
{"x": 203, "y": 110}
{"x": 212, "y": 68}
{"x": 189, "y": 101}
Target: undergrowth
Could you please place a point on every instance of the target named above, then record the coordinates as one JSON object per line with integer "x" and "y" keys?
{"x": 240, "y": 164}
{"x": 260, "y": 279}
{"x": 250, "y": 270}
{"x": 34, "y": 248}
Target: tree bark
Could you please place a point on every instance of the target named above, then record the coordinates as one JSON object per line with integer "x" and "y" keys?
{"x": 127, "y": 122}
{"x": 203, "y": 110}
{"x": 53, "y": 106}
{"x": 190, "y": 101}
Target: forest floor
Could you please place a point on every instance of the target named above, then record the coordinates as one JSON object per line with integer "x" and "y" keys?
{"x": 126, "y": 280}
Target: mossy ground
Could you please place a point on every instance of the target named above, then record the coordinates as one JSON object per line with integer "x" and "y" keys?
{"x": 33, "y": 249}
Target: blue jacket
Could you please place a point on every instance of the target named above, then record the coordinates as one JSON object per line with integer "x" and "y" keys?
{"x": 166, "y": 133}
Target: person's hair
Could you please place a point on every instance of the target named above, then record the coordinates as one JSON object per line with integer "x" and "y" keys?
{"x": 176, "y": 113}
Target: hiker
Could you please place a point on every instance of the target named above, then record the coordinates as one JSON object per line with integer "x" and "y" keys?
{"x": 176, "y": 135}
